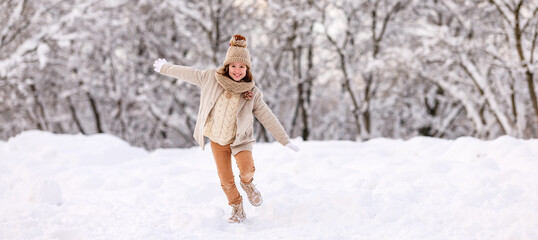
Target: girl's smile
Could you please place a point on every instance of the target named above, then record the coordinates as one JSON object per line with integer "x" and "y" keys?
{"x": 237, "y": 71}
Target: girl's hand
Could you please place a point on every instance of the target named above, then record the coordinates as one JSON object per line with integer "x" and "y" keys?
{"x": 292, "y": 147}
{"x": 158, "y": 64}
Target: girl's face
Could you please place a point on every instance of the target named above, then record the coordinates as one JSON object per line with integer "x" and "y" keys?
{"x": 237, "y": 71}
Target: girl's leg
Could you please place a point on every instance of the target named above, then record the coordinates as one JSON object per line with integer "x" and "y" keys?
{"x": 223, "y": 160}
{"x": 246, "y": 172}
{"x": 245, "y": 163}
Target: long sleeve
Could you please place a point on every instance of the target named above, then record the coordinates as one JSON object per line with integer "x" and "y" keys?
{"x": 188, "y": 74}
{"x": 266, "y": 117}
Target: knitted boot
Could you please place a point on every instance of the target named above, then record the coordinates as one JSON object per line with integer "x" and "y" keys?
{"x": 254, "y": 196}
{"x": 238, "y": 214}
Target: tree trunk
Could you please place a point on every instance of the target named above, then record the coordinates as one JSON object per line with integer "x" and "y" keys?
{"x": 75, "y": 116}
{"x": 96, "y": 115}
{"x": 528, "y": 73}
{"x": 366, "y": 112}
{"x": 308, "y": 93}
{"x": 346, "y": 85}
{"x": 297, "y": 53}
{"x": 303, "y": 92}
{"x": 40, "y": 110}
{"x": 532, "y": 93}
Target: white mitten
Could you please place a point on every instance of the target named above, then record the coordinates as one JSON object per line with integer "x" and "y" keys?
{"x": 158, "y": 64}
{"x": 292, "y": 147}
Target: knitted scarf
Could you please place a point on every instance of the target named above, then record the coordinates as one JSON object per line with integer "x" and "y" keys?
{"x": 230, "y": 86}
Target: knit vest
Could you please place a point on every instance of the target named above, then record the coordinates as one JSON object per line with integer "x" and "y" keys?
{"x": 221, "y": 123}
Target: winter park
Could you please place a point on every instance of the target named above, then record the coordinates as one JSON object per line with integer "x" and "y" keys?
{"x": 268, "y": 119}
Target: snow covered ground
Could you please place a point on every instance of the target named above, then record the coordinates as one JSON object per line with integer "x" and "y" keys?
{"x": 99, "y": 187}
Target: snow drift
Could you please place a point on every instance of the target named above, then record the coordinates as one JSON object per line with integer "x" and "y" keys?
{"x": 99, "y": 187}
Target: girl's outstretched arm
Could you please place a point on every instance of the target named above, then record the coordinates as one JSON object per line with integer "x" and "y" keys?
{"x": 188, "y": 74}
{"x": 266, "y": 117}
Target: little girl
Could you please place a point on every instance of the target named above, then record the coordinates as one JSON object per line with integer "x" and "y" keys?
{"x": 229, "y": 99}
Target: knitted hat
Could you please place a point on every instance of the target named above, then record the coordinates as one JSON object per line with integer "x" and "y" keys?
{"x": 238, "y": 52}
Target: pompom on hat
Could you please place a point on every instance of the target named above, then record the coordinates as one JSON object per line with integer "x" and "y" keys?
{"x": 238, "y": 52}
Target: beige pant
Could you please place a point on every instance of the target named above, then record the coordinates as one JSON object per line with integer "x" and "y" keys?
{"x": 223, "y": 160}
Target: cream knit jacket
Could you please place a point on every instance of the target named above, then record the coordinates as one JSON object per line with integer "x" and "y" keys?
{"x": 246, "y": 109}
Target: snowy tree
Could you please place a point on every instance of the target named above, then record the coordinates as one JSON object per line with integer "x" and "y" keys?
{"x": 475, "y": 65}
{"x": 359, "y": 46}
{"x": 30, "y": 35}
{"x": 331, "y": 69}
{"x": 520, "y": 28}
